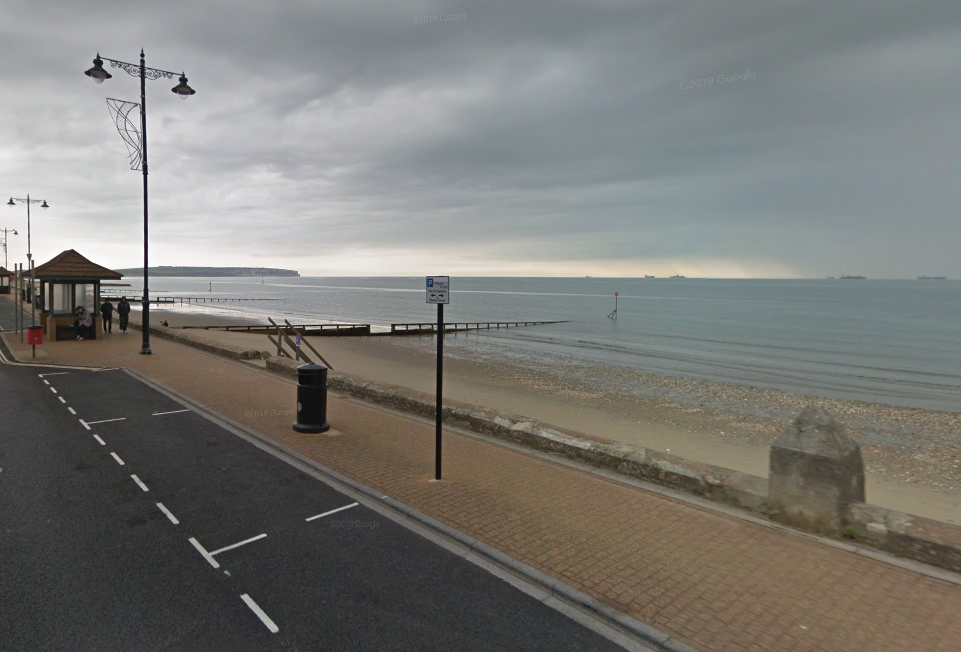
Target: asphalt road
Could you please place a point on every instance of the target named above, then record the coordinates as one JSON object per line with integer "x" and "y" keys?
{"x": 128, "y": 522}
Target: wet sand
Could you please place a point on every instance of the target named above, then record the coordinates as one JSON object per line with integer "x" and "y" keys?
{"x": 912, "y": 456}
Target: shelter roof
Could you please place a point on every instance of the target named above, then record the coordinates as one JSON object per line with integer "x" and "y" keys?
{"x": 70, "y": 264}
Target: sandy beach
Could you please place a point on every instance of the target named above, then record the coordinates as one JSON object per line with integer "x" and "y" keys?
{"x": 912, "y": 456}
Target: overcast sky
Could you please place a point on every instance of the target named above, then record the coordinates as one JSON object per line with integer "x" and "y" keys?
{"x": 495, "y": 138}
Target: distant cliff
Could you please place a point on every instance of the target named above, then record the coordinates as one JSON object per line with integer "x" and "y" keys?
{"x": 166, "y": 270}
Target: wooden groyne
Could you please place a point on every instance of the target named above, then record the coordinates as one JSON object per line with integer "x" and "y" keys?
{"x": 454, "y": 327}
{"x": 306, "y": 329}
{"x": 417, "y": 328}
{"x": 181, "y": 300}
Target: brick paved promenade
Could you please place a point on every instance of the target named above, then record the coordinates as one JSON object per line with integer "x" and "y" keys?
{"x": 713, "y": 581}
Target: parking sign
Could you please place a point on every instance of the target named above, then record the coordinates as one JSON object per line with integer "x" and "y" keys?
{"x": 438, "y": 289}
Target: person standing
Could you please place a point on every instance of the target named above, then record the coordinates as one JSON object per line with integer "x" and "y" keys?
{"x": 106, "y": 311}
{"x": 123, "y": 311}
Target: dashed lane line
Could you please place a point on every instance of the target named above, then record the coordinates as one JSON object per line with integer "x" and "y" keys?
{"x": 333, "y": 511}
{"x": 139, "y": 482}
{"x": 62, "y": 399}
{"x": 84, "y": 423}
{"x": 173, "y": 519}
{"x": 53, "y": 389}
{"x": 117, "y": 457}
{"x": 74, "y": 412}
{"x": 264, "y": 618}
{"x": 102, "y": 442}
{"x": 47, "y": 382}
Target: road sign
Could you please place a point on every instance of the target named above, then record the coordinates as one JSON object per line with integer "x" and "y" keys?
{"x": 438, "y": 289}
{"x": 298, "y": 339}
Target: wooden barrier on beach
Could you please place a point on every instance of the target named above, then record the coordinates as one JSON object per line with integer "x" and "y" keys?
{"x": 183, "y": 300}
{"x": 454, "y": 327}
{"x": 309, "y": 329}
{"x": 419, "y": 328}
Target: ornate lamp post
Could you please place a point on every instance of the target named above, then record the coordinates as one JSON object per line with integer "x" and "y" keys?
{"x": 4, "y": 242}
{"x": 43, "y": 204}
{"x": 137, "y": 145}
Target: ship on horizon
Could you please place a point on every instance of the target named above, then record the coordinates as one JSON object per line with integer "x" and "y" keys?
{"x": 853, "y": 278}
{"x": 932, "y": 278}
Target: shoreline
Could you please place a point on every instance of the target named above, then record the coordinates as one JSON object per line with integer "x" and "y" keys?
{"x": 912, "y": 456}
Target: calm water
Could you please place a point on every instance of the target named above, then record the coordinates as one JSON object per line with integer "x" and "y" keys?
{"x": 895, "y": 342}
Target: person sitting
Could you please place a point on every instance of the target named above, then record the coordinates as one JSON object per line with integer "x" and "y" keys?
{"x": 83, "y": 323}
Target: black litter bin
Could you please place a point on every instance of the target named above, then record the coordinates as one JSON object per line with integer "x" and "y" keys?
{"x": 311, "y": 398}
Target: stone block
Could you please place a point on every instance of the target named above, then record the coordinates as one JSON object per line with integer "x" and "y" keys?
{"x": 816, "y": 474}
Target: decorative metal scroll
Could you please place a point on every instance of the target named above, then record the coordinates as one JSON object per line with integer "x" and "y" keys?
{"x": 129, "y": 129}
{"x": 134, "y": 70}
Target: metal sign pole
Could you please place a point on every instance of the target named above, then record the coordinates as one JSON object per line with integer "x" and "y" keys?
{"x": 440, "y": 387}
{"x": 438, "y": 292}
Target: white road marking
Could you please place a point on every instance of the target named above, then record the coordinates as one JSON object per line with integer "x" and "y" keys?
{"x": 202, "y": 551}
{"x": 157, "y": 414}
{"x": 72, "y": 411}
{"x": 117, "y": 457}
{"x": 264, "y": 618}
{"x": 107, "y": 369}
{"x": 139, "y": 483}
{"x": 46, "y": 381}
{"x": 62, "y": 399}
{"x": 107, "y": 420}
{"x": 84, "y": 423}
{"x": 333, "y": 511}
{"x": 56, "y": 373}
{"x": 102, "y": 442}
{"x": 53, "y": 390}
{"x": 173, "y": 519}
{"x": 237, "y": 545}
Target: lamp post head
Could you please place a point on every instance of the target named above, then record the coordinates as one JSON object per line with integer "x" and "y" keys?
{"x": 97, "y": 73}
{"x": 182, "y": 89}
{"x": 44, "y": 204}
{"x": 11, "y": 202}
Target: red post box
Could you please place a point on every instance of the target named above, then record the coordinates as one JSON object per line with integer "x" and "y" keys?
{"x": 35, "y": 335}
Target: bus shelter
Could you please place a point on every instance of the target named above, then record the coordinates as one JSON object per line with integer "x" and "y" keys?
{"x": 66, "y": 281}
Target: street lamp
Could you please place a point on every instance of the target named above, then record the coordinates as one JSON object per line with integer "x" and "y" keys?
{"x": 4, "y": 242}
{"x": 137, "y": 145}
{"x": 43, "y": 204}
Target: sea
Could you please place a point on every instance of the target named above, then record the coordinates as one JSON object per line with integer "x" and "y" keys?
{"x": 894, "y": 342}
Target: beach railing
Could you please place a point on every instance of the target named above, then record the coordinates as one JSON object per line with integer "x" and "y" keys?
{"x": 453, "y": 327}
{"x": 283, "y": 337}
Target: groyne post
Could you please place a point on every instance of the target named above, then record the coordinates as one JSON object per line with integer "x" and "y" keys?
{"x": 816, "y": 474}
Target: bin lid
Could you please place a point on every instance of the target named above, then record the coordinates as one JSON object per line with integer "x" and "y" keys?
{"x": 33, "y": 328}
{"x": 311, "y": 369}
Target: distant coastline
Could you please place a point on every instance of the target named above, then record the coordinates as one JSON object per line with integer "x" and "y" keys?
{"x": 167, "y": 270}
